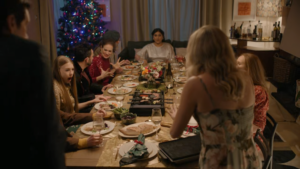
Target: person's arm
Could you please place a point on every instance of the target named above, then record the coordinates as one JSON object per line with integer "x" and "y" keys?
{"x": 47, "y": 134}
{"x": 69, "y": 119}
{"x": 186, "y": 109}
{"x": 140, "y": 53}
{"x": 260, "y": 109}
{"x": 87, "y": 103}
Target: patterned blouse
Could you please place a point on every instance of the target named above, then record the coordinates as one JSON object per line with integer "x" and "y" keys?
{"x": 261, "y": 107}
{"x": 60, "y": 102}
{"x": 95, "y": 69}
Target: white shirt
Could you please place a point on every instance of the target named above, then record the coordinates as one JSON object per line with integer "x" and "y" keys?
{"x": 153, "y": 53}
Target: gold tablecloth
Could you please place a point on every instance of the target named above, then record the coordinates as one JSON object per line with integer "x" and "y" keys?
{"x": 113, "y": 141}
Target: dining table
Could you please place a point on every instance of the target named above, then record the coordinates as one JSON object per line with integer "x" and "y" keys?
{"x": 107, "y": 156}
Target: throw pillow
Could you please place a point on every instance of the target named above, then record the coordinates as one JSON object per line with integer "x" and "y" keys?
{"x": 180, "y": 51}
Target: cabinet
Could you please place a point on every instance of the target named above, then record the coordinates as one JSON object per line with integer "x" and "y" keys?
{"x": 265, "y": 54}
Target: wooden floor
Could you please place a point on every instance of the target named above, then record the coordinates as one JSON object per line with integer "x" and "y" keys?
{"x": 288, "y": 129}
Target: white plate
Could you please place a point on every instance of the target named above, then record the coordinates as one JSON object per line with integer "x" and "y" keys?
{"x": 128, "y": 77}
{"x": 136, "y": 64}
{"x": 129, "y": 67}
{"x": 180, "y": 79}
{"x": 110, "y": 125}
{"x": 97, "y": 106}
{"x": 112, "y": 90}
{"x": 179, "y": 90}
{"x": 136, "y": 124}
{"x": 130, "y": 84}
{"x": 152, "y": 148}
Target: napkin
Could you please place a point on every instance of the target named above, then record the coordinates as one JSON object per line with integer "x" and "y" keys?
{"x": 138, "y": 151}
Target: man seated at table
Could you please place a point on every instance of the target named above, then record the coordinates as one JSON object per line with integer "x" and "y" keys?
{"x": 86, "y": 89}
{"x": 74, "y": 143}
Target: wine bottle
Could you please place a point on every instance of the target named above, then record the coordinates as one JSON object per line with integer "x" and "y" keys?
{"x": 249, "y": 34}
{"x": 275, "y": 32}
{"x": 254, "y": 35}
{"x": 169, "y": 71}
{"x": 278, "y": 31}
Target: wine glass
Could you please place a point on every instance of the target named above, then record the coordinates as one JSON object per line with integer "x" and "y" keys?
{"x": 141, "y": 60}
{"x": 98, "y": 124}
{"x": 156, "y": 118}
{"x": 119, "y": 99}
{"x": 118, "y": 85}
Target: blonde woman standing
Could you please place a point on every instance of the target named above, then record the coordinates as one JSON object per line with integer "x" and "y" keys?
{"x": 221, "y": 98}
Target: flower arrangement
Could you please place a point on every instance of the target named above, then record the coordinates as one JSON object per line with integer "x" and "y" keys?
{"x": 154, "y": 70}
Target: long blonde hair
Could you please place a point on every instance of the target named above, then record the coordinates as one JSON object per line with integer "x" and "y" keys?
{"x": 255, "y": 69}
{"x": 209, "y": 51}
{"x": 58, "y": 63}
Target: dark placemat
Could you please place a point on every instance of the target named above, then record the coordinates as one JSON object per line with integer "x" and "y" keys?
{"x": 283, "y": 156}
{"x": 182, "y": 148}
{"x": 280, "y": 166}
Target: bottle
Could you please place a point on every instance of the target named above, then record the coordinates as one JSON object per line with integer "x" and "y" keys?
{"x": 278, "y": 31}
{"x": 169, "y": 71}
{"x": 275, "y": 31}
{"x": 249, "y": 34}
{"x": 259, "y": 31}
{"x": 254, "y": 35}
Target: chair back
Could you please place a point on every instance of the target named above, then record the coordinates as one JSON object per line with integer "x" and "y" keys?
{"x": 265, "y": 145}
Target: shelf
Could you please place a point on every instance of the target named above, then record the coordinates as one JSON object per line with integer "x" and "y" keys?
{"x": 253, "y": 40}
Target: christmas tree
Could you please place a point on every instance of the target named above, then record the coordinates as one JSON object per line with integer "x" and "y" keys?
{"x": 81, "y": 22}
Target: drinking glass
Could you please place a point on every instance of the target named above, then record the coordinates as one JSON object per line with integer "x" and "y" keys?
{"x": 156, "y": 118}
{"x": 98, "y": 124}
{"x": 141, "y": 60}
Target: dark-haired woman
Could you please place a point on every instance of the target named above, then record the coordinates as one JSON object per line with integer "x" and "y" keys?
{"x": 100, "y": 69}
{"x": 158, "y": 50}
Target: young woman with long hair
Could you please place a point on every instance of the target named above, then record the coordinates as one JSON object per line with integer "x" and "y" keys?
{"x": 65, "y": 87}
{"x": 253, "y": 66}
{"x": 221, "y": 98}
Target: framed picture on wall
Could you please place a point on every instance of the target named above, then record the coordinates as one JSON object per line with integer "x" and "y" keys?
{"x": 244, "y": 10}
{"x": 105, "y": 6}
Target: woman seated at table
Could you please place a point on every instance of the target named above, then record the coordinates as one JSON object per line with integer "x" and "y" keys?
{"x": 221, "y": 98}
{"x": 253, "y": 66}
{"x": 101, "y": 70}
{"x": 74, "y": 143}
{"x": 159, "y": 50}
{"x": 65, "y": 87}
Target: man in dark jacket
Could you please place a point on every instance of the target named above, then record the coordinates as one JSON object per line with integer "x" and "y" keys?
{"x": 86, "y": 89}
{"x": 31, "y": 128}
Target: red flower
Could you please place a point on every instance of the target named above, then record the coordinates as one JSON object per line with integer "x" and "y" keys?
{"x": 160, "y": 73}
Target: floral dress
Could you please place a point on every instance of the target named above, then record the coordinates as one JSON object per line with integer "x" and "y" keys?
{"x": 226, "y": 139}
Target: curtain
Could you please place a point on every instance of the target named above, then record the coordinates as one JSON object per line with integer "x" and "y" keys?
{"x": 48, "y": 39}
{"x": 134, "y": 20}
{"x": 177, "y": 18}
{"x": 217, "y": 13}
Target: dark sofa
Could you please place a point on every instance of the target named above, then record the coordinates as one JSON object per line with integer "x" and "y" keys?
{"x": 129, "y": 53}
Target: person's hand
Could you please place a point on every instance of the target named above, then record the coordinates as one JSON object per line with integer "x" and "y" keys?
{"x": 106, "y": 73}
{"x": 100, "y": 112}
{"x": 125, "y": 62}
{"x": 117, "y": 65}
{"x": 101, "y": 97}
{"x": 94, "y": 140}
{"x": 173, "y": 111}
{"x": 105, "y": 87}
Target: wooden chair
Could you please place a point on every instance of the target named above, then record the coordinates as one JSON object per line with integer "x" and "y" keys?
{"x": 265, "y": 145}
